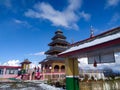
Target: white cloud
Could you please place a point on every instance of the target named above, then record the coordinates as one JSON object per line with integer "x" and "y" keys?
{"x": 84, "y": 15}
{"x": 66, "y": 18}
{"x": 115, "y": 18}
{"x": 38, "y": 54}
{"x": 23, "y": 23}
{"x": 18, "y": 21}
{"x": 12, "y": 63}
{"x": 112, "y": 3}
{"x": 74, "y": 4}
{"x": 84, "y": 64}
{"x": 17, "y": 63}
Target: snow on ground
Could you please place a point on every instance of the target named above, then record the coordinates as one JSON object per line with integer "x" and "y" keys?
{"x": 42, "y": 86}
{"x": 48, "y": 87}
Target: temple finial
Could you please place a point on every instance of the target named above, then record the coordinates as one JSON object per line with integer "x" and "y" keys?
{"x": 91, "y": 32}
{"x": 72, "y": 41}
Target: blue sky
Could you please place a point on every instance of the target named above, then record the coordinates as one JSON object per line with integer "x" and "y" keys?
{"x": 27, "y": 26}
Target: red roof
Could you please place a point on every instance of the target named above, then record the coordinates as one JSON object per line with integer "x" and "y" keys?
{"x": 99, "y": 35}
{"x": 100, "y": 46}
{"x": 10, "y": 66}
{"x": 92, "y": 47}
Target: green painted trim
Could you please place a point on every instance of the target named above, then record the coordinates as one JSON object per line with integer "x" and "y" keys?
{"x": 72, "y": 83}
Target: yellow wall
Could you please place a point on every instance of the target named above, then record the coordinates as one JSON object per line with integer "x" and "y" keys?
{"x": 53, "y": 64}
{"x": 26, "y": 66}
{"x": 71, "y": 66}
{"x": 59, "y": 64}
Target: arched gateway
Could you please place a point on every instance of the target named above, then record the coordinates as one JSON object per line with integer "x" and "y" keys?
{"x": 100, "y": 48}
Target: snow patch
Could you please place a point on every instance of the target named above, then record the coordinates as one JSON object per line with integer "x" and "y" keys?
{"x": 48, "y": 87}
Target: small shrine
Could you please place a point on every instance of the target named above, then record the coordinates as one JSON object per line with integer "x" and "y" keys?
{"x": 25, "y": 64}
{"x": 25, "y": 68}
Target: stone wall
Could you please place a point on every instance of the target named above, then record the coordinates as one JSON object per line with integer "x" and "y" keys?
{"x": 100, "y": 85}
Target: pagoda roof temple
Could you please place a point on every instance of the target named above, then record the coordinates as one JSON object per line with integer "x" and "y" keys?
{"x": 58, "y": 45}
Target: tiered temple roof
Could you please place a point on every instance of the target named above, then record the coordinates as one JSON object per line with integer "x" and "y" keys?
{"x": 58, "y": 45}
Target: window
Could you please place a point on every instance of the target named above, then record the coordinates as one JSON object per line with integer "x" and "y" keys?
{"x": 11, "y": 71}
{"x": 62, "y": 68}
{"x": 56, "y": 68}
{"x": 1, "y": 71}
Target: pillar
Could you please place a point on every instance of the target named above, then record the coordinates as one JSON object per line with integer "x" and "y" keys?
{"x": 4, "y": 72}
{"x": 24, "y": 66}
{"x": 28, "y": 66}
{"x": 72, "y": 74}
{"x": 43, "y": 73}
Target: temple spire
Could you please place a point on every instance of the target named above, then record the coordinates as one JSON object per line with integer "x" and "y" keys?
{"x": 72, "y": 41}
{"x": 91, "y": 32}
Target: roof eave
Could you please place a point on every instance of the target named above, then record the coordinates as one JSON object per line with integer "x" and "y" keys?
{"x": 105, "y": 44}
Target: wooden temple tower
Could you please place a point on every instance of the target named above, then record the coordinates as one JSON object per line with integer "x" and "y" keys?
{"x": 53, "y": 67}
